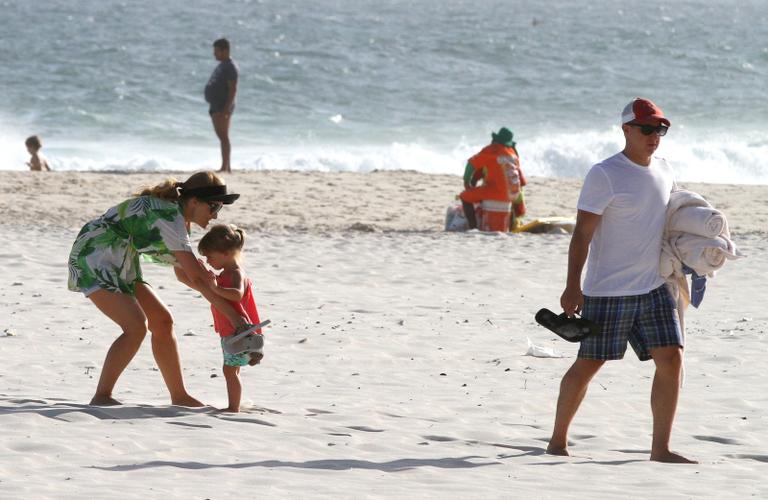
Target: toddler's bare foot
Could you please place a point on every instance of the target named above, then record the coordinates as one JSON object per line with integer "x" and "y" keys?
{"x": 230, "y": 410}
{"x": 99, "y": 400}
{"x": 671, "y": 458}
{"x": 557, "y": 450}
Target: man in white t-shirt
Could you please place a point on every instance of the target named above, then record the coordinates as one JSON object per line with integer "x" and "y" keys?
{"x": 619, "y": 226}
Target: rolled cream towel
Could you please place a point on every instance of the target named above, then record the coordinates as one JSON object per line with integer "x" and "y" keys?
{"x": 705, "y": 255}
{"x": 669, "y": 264}
{"x": 702, "y": 221}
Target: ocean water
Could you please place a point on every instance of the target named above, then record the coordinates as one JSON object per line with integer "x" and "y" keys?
{"x": 373, "y": 84}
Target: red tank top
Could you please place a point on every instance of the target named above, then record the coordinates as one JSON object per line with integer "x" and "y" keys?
{"x": 246, "y": 307}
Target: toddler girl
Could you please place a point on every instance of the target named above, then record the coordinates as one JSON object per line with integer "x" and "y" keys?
{"x": 222, "y": 247}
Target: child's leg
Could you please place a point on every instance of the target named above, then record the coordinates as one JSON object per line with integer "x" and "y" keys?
{"x": 234, "y": 387}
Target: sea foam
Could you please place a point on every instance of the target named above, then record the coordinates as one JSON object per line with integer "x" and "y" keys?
{"x": 734, "y": 160}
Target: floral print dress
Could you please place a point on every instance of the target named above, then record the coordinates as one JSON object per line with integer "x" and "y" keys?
{"x": 107, "y": 251}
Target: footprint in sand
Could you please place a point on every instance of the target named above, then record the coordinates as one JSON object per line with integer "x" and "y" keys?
{"x": 759, "y": 458}
{"x": 440, "y": 439}
{"x": 716, "y": 439}
{"x": 196, "y": 426}
{"x": 363, "y": 428}
{"x": 313, "y": 412}
{"x": 262, "y": 410}
{"x": 249, "y": 421}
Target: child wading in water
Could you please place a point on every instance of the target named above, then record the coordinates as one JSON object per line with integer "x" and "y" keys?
{"x": 37, "y": 162}
{"x": 222, "y": 247}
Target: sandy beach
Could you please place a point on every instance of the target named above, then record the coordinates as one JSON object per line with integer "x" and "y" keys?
{"x": 321, "y": 202}
{"x": 395, "y": 367}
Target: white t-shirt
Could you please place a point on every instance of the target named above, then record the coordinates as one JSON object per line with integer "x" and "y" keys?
{"x": 625, "y": 249}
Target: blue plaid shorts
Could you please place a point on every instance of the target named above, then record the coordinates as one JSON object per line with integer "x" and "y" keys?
{"x": 647, "y": 321}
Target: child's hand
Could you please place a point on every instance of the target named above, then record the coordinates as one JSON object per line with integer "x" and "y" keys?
{"x": 241, "y": 324}
{"x": 210, "y": 278}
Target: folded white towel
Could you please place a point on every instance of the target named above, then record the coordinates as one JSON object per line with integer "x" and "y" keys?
{"x": 669, "y": 264}
{"x": 696, "y": 235}
{"x": 704, "y": 255}
{"x": 684, "y": 198}
{"x": 702, "y": 221}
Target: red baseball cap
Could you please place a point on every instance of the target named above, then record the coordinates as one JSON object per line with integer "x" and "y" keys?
{"x": 642, "y": 112}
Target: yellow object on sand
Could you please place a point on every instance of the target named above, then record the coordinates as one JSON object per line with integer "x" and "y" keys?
{"x": 547, "y": 225}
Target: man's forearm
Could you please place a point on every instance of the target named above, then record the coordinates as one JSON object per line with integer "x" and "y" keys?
{"x": 577, "y": 257}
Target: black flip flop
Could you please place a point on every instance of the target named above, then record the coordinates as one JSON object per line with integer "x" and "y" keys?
{"x": 570, "y": 329}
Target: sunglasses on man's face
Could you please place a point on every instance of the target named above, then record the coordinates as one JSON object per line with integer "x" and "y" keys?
{"x": 650, "y": 129}
{"x": 215, "y": 206}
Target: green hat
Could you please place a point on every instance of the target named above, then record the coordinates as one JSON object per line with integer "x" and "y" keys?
{"x": 504, "y": 136}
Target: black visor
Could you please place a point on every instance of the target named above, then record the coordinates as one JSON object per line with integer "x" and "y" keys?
{"x": 210, "y": 193}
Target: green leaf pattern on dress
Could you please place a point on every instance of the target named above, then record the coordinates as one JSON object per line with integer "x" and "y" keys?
{"x": 106, "y": 252}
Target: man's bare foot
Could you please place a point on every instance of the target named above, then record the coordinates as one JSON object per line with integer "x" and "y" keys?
{"x": 99, "y": 400}
{"x": 671, "y": 458}
{"x": 223, "y": 170}
{"x": 187, "y": 400}
{"x": 557, "y": 450}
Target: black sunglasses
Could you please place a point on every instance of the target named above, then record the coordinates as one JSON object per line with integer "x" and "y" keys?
{"x": 650, "y": 129}
{"x": 215, "y": 206}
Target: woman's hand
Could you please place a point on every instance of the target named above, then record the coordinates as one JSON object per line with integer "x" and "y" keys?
{"x": 199, "y": 279}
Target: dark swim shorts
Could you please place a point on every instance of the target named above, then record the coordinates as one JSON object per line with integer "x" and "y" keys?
{"x": 219, "y": 108}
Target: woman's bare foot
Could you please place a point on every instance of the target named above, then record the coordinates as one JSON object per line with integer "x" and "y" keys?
{"x": 186, "y": 400}
{"x": 99, "y": 400}
{"x": 671, "y": 458}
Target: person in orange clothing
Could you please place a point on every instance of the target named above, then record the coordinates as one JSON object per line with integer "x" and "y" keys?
{"x": 498, "y": 167}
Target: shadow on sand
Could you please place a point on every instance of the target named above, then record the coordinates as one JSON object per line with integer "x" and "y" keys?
{"x": 402, "y": 464}
{"x": 67, "y": 411}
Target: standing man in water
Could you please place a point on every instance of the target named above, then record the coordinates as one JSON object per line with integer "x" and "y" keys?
{"x": 619, "y": 225}
{"x": 220, "y": 92}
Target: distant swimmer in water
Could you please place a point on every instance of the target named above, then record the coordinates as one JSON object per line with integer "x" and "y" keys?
{"x": 220, "y": 92}
{"x": 37, "y": 161}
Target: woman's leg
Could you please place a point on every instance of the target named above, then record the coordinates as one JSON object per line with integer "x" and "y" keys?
{"x": 126, "y": 312}
{"x": 164, "y": 345}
